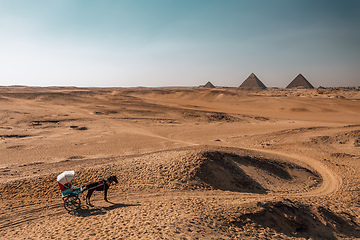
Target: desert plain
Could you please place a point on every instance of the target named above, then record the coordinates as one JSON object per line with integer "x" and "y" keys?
{"x": 192, "y": 163}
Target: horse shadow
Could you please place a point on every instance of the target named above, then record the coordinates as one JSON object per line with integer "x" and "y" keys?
{"x": 86, "y": 211}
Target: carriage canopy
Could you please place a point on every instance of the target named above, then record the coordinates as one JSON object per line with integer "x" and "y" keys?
{"x": 66, "y": 177}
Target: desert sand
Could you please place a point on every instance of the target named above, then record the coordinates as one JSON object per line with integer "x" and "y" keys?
{"x": 192, "y": 163}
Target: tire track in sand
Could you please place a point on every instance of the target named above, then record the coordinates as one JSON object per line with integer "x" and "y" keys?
{"x": 330, "y": 184}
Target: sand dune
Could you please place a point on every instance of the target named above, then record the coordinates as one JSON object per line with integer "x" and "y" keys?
{"x": 192, "y": 163}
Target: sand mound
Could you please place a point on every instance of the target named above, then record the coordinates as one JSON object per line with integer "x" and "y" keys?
{"x": 220, "y": 171}
{"x": 179, "y": 170}
{"x": 343, "y": 138}
{"x": 293, "y": 219}
{"x": 245, "y": 171}
{"x": 342, "y": 145}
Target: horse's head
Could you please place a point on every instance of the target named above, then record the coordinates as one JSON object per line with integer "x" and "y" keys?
{"x": 113, "y": 179}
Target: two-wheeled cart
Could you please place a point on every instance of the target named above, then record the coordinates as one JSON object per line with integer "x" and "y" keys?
{"x": 69, "y": 192}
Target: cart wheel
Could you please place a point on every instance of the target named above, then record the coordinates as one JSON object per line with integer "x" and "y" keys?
{"x": 72, "y": 202}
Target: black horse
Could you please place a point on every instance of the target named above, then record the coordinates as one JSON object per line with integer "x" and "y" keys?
{"x": 102, "y": 185}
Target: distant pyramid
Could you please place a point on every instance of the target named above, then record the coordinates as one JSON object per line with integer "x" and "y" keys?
{"x": 252, "y": 82}
{"x": 209, "y": 85}
{"x": 300, "y": 82}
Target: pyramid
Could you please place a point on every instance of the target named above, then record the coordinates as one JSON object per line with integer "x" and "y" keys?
{"x": 300, "y": 82}
{"x": 252, "y": 82}
{"x": 209, "y": 85}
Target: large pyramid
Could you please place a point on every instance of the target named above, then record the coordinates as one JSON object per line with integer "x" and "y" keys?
{"x": 300, "y": 82}
{"x": 209, "y": 85}
{"x": 252, "y": 82}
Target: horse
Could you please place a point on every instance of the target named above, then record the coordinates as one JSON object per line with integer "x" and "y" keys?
{"x": 102, "y": 185}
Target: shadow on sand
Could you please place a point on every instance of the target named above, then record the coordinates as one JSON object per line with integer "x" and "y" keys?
{"x": 86, "y": 211}
{"x": 296, "y": 220}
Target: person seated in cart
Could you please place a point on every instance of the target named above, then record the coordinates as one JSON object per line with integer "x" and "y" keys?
{"x": 64, "y": 181}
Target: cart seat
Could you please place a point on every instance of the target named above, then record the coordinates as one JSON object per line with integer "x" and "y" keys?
{"x": 73, "y": 190}
{"x": 66, "y": 192}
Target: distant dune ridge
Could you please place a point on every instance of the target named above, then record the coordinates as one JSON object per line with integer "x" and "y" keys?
{"x": 252, "y": 82}
{"x": 300, "y": 82}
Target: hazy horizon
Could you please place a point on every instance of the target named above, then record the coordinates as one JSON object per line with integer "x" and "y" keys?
{"x": 179, "y": 43}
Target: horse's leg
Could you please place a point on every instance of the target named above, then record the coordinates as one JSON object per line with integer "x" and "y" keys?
{"x": 105, "y": 193}
{"x": 88, "y": 196}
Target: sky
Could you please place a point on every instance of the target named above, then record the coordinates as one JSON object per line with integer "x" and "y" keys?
{"x": 153, "y": 43}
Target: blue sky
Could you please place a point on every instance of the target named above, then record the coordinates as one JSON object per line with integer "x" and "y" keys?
{"x": 178, "y": 43}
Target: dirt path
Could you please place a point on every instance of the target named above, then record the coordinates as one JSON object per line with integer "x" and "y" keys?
{"x": 331, "y": 182}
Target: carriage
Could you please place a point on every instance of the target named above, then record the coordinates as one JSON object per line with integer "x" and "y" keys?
{"x": 69, "y": 192}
